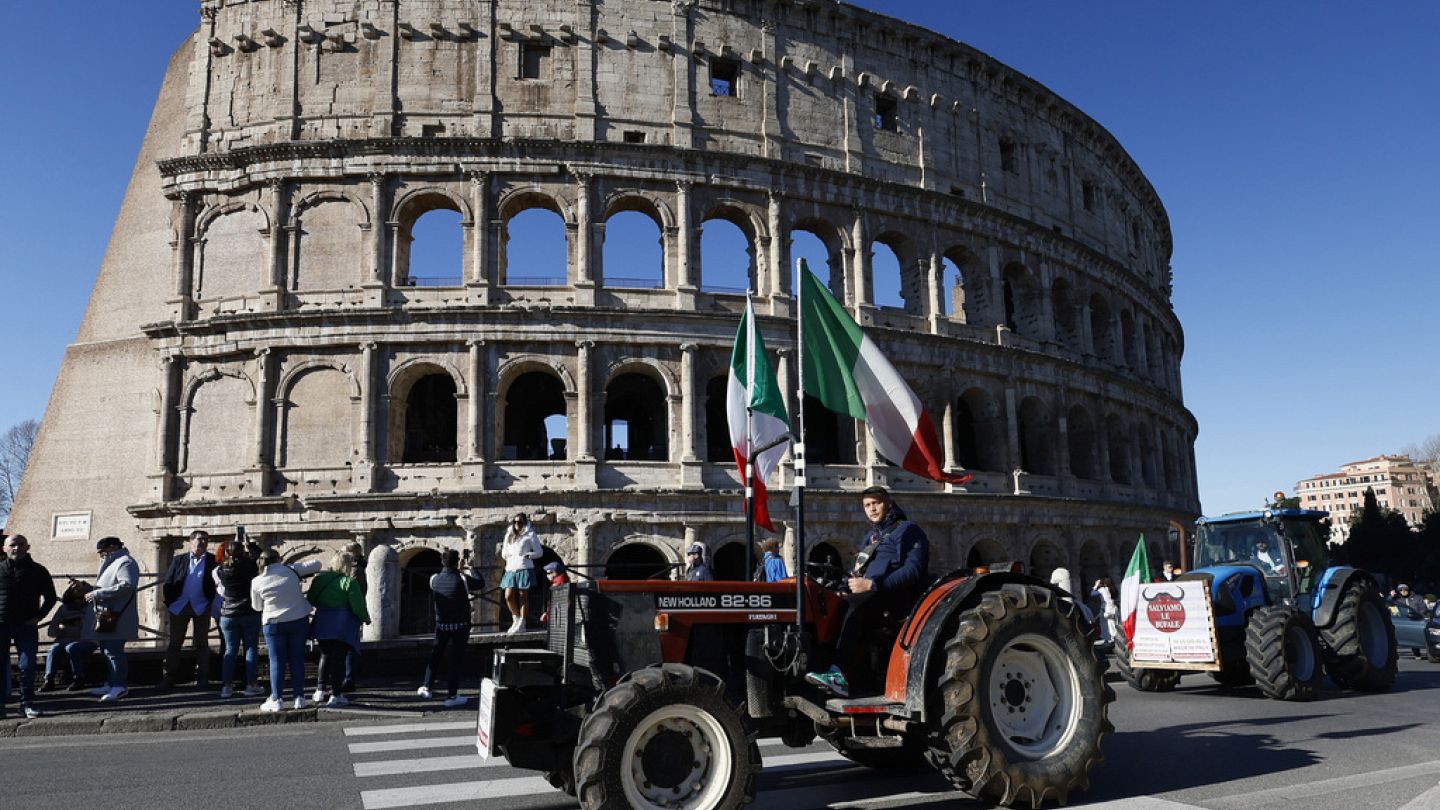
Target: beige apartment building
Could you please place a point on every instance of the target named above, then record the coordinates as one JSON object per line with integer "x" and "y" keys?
{"x": 1399, "y": 483}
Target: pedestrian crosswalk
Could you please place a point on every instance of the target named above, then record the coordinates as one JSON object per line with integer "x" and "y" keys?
{"x": 433, "y": 765}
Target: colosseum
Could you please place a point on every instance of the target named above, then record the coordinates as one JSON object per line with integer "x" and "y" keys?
{"x": 260, "y": 350}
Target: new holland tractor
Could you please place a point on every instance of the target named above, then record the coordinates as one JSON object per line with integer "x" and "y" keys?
{"x": 651, "y": 694}
{"x": 1283, "y": 615}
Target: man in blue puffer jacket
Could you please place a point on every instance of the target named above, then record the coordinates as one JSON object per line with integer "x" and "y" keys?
{"x": 891, "y": 572}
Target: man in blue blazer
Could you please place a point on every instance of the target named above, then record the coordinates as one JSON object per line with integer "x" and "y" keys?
{"x": 189, "y": 593}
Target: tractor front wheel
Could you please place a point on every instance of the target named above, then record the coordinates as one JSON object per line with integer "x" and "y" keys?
{"x": 1142, "y": 679}
{"x": 665, "y": 737}
{"x": 1283, "y": 652}
{"x": 1361, "y": 642}
{"x": 1021, "y": 700}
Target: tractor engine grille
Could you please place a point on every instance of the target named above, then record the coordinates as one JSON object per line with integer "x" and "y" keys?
{"x": 567, "y": 625}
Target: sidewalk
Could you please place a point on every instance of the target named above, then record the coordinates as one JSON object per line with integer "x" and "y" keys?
{"x": 387, "y": 683}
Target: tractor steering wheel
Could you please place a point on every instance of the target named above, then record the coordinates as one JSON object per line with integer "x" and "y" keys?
{"x": 828, "y": 575}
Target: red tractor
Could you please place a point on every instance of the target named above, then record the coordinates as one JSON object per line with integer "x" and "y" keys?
{"x": 651, "y": 694}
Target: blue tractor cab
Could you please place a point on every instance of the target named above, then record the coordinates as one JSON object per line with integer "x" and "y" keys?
{"x": 1283, "y": 614}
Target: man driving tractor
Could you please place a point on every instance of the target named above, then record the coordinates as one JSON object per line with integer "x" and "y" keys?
{"x": 890, "y": 574}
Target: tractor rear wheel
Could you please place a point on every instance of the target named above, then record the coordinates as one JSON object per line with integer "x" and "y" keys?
{"x": 1141, "y": 678}
{"x": 665, "y": 737}
{"x": 1361, "y": 641}
{"x": 1283, "y": 652}
{"x": 1020, "y": 700}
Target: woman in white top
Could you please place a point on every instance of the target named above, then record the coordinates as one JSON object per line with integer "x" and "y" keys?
{"x": 285, "y": 618}
{"x": 1110, "y": 612}
{"x": 520, "y": 550}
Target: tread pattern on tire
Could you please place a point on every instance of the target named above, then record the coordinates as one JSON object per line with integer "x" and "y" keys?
{"x": 964, "y": 746}
{"x": 1346, "y": 663}
{"x": 602, "y": 733}
{"x": 1265, "y": 653}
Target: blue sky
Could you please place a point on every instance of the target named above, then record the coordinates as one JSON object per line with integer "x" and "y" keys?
{"x": 1293, "y": 143}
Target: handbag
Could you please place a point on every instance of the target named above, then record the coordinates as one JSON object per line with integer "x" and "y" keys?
{"x": 106, "y": 620}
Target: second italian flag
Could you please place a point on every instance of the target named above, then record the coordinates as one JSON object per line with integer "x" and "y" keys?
{"x": 845, "y": 370}
{"x": 755, "y": 411}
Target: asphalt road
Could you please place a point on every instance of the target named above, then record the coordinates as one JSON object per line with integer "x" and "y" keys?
{"x": 1196, "y": 748}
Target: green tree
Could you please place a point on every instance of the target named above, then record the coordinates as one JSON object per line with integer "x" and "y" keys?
{"x": 1381, "y": 541}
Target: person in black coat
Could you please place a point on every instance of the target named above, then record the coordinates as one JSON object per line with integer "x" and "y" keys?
{"x": 189, "y": 593}
{"x": 891, "y": 572}
{"x": 26, "y": 596}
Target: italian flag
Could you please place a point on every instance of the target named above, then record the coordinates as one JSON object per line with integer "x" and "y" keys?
{"x": 1137, "y": 573}
{"x": 845, "y": 370}
{"x": 755, "y": 411}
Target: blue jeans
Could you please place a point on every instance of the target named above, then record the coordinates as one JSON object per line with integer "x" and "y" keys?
{"x": 26, "y": 638}
{"x": 286, "y": 641}
{"x": 118, "y": 661}
{"x": 70, "y": 653}
{"x": 237, "y": 630}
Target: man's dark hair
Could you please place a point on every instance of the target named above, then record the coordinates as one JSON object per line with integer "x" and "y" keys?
{"x": 450, "y": 558}
{"x": 875, "y": 492}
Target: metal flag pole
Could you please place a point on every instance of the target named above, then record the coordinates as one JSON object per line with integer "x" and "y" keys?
{"x": 749, "y": 433}
{"x": 798, "y": 449}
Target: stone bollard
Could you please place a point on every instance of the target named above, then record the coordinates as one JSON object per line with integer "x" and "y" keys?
{"x": 382, "y": 571}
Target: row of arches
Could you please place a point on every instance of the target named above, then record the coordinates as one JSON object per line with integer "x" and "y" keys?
{"x": 323, "y": 414}
{"x": 643, "y": 238}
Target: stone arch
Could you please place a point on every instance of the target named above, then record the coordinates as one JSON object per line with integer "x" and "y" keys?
{"x": 1093, "y": 564}
{"x": 1044, "y": 557}
{"x": 718, "y": 448}
{"x": 1102, "y": 337}
{"x": 417, "y": 564}
{"x": 1036, "y": 431}
{"x": 522, "y": 363}
{"x": 1118, "y": 440}
{"x": 631, "y": 273}
{"x": 1145, "y": 445}
{"x": 206, "y": 218}
{"x": 217, "y": 428}
{"x": 1080, "y": 434}
{"x": 636, "y": 416}
{"x": 909, "y": 281}
{"x": 640, "y": 558}
{"x": 328, "y": 251}
{"x": 232, "y": 257}
{"x": 1127, "y": 340}
{"x": 966, "y": 286}
{"x": 529, "y": 400}
{"x": 423, "y": 412}
{"x": 641, "y": 201}
{"x": 835, "y": 240}
{"x": 310, "y": 435}
{"x": 751, "y": 223}
{"x": 979, "y": 431}
{"x": 985, "y": 551}
{"x": 511, "y": 204}
{"x": 1067, "y": 314}
{"x": 1021, "y": 298}
{"x": 407, "y": 212}
{"x": 729, "y": 562}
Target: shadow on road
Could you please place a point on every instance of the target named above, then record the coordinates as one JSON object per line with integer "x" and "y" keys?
{"x": 1350, "y": 734}
{"x": 1194, "y": 755}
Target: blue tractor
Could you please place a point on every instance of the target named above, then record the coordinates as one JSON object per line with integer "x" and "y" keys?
{"x": 1284, "y": 617}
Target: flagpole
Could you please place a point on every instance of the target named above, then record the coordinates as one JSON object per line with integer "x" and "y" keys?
{"x": 798, "y": 449}
{"x": 749, "y": 433}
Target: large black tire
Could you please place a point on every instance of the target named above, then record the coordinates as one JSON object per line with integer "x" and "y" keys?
{"x": 1283, "y": 651}
{"x": 1361, "y": 641}
{"x": 665, "y": 733}
{"x": 1020, "y": 700}
{"x": 1143, "y": 679}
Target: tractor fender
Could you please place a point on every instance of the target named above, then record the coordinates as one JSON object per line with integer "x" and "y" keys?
{"x": 915, "y": 653}
{"x": 1329, "y": 590}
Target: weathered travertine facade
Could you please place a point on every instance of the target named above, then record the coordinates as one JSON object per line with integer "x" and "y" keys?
{"x": 257, "y": 350}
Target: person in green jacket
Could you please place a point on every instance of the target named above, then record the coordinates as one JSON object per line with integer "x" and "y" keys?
{"x": 339, "y": 612}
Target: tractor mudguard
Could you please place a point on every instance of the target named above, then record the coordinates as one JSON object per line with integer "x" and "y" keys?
{"x": 1329, "y": 590}
{"x": 915, "y": 650}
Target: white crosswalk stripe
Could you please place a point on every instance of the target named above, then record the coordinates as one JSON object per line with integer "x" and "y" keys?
{"x": 420, "y": 765}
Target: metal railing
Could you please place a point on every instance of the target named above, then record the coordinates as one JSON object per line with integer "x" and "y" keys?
{"x": 634, "y": 283}
{"x": 537, "y": 281}
{"x": 433, "y": 281}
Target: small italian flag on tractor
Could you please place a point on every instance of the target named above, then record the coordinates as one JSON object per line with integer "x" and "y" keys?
{"x": 1136, "y": 574}
{"x": 755, "y": 411}
{"x": 845, "y": 370}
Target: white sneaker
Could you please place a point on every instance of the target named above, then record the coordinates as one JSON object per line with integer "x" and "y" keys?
{"x": 113, "y": 694}
{"x": 320, "y": 696}
{"x": 32, "y": 713}
{"x": 424, "y": 692}
{"x": 253, "y": 691}
{"x": 515, "y": 628}
{"x": 226, "y": 693}
{"x": 458, "y": 700}
{"x": 100, "y": 691}
{"x": 272, "y": 706}
{"x": 300, "y": 703}
{"x": 336, "y": 701}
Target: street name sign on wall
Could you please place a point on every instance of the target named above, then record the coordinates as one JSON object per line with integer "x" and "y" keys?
{"x": 1175, "y": 627}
